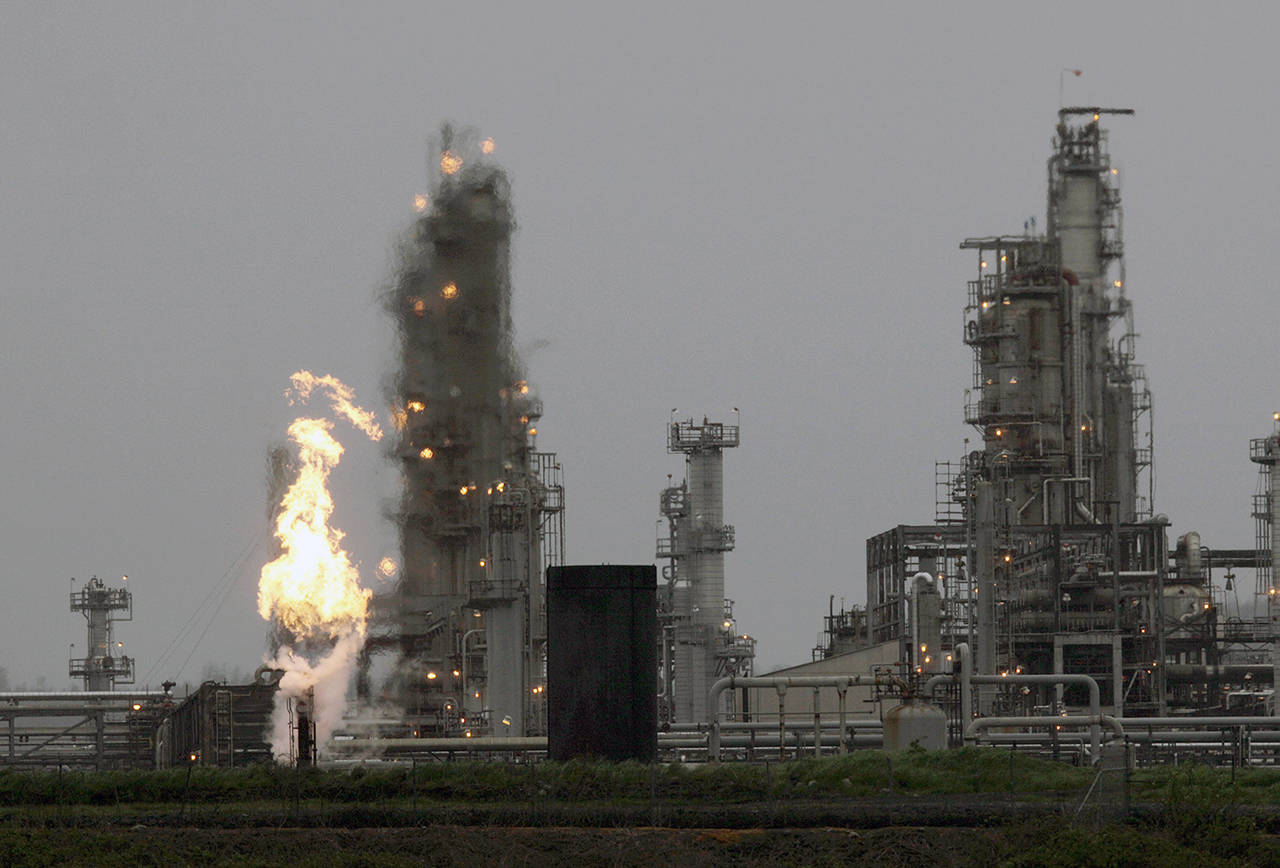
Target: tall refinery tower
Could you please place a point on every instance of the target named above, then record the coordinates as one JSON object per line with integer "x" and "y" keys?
{"x": 698, "y": 638}
{"x": 481, "y": 514}
{"x": 1045, "y": 548}
{"x": 1060, "y": 406}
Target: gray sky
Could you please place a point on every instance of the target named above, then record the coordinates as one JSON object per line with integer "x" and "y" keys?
{"x": 718, "y": 207}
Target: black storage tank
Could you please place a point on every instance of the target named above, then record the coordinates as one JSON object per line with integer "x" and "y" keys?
{"x": 602, "y": 666}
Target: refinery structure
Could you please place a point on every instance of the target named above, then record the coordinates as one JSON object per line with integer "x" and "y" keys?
{"x": 482, "y": 511}
{"x": 1047, "y": 600}
{"x": 698, "y": 638}
{"x": 1046, "y": 556}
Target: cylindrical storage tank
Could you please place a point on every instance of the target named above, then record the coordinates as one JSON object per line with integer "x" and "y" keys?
{"x": 602, "y": 662}
{"x": 915, "y": 723}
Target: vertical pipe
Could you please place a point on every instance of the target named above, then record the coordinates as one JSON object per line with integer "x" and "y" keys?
{"x": 966, "y": 695}
{"x": 844, "y": 738}
{"x": 1274, "y": 472}
{"x": 817, "y": 724}
{"x": 782, "y": 721}
{"x": 985, "y": 578}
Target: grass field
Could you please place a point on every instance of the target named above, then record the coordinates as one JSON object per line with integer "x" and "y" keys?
{"x": 967, "y": 807}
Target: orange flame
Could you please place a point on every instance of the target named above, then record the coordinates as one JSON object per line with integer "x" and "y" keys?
{"x": 420, "y": 203}
{"x": 312, "y": 588}
{"x": 487, "y": 146}
{"x": 450, "y": 162}
{"x": 450, "y": 290}
{"x": 341, "y": 398}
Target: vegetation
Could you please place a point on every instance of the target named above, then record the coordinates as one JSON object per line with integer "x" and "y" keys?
{"x": 861, "y": 773}
{"x": 966, "y": 807}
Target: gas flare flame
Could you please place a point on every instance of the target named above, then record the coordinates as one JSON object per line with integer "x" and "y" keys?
{"x": 312, "y": 589}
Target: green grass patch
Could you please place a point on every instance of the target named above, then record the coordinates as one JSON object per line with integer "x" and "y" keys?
{"x": 972, "y": 770}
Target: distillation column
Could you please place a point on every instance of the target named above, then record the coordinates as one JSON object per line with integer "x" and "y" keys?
{"x": 1265, "y": 452}
{"x": 466, "y": 616}
{"x": 102, "y": 667}
{"x": 702, "y": 538}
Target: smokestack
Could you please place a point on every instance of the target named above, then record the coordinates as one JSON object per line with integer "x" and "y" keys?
{"x": 307, "y": 728}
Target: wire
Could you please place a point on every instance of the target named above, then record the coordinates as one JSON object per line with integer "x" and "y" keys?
{"x": 224, "y": 584}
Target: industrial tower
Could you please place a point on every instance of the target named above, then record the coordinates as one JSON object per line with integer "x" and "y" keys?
{"x": 1265, "y": 452}
{"x": 1045, "y": 549}
{"x": 104, "y": 665}
{"x": 698, "y": 639}
{"x": 481, "y": 514}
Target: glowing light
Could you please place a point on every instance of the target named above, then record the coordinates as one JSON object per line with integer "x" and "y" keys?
{"x": 462, "y": 490}
{"x": 533, "y": 432}
{"x": 427, "y": 452}
{"x": 1007, "y": 558}
{"x": 417, "y": 305}
{"x": 431, "y": 676}
{"x": 137, "y": 707}
{"x": 387, "y": 567}
{"x": 982, "y": 264}
{"x": 1096, "y": 116}
{"x": 450, "y": 290}
{"x": 419, "y": 203}
{"x": 502, "y": 486}
{"x": 483, "y": 562}
{"x": 727, "y": 624}
{"x": 450, "y": 163}
{"x": 999, "y": 432}
{"x": 1004, "y": 258}
{"x": 1006, "y": 300}
{"x": 1115, "y": 171}
{"x": 456, "y": 673}
{"x": 468, "y": 732}
{"x": 1117, "y": 284}
{"x": 486, "y": 146}
{"x": 1274, "y": 416}
{"x": 416, "y": 406}
{"x": 1013, "y": 381}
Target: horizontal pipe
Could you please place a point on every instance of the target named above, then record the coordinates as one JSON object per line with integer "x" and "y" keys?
{"x": 427, "y": 745}
{"x": 1090, "y": 720}
{"x": 677, "y": 741}
{"x": 1226, "y": 720}
{"x": 771, "y": 725}
{"x": 83, "y": 695}
{"x": 781, "y": 683}
{"x": 1195, "y": 673}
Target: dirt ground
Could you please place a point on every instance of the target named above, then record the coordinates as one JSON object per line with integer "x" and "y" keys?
{"x": 506, "y": 846}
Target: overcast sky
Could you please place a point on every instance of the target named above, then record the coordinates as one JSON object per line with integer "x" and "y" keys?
{"x": 717, "y": 208}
